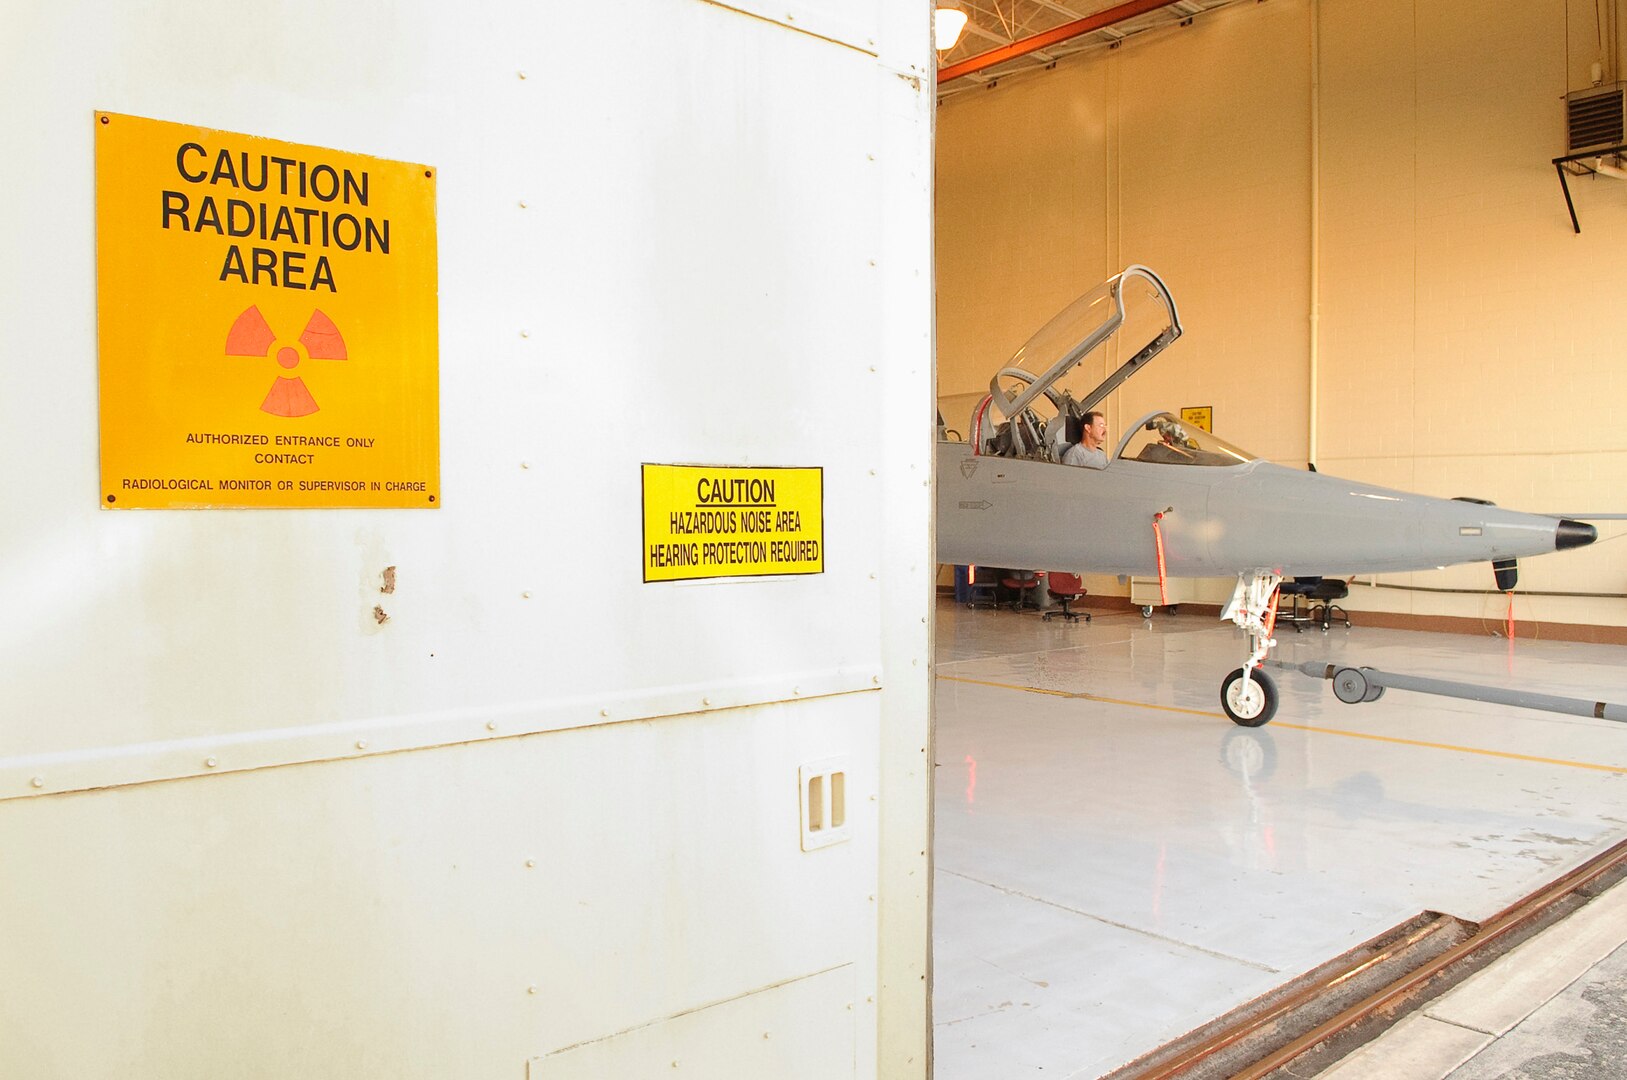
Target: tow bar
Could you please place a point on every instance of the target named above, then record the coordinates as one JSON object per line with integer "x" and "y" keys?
{"x": 1354, "y": 685}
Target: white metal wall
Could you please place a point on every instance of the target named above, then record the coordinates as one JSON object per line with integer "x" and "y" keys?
{"x": 545, "y": 818}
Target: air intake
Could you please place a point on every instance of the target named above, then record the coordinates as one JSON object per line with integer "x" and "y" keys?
{"x": 1594, "y": 117}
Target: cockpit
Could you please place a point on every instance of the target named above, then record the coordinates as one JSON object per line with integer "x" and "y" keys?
{"x": 1161, "y": 439}
{"x": 1037, "y": 402}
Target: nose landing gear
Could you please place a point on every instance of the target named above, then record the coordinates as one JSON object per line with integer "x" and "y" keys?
{"x": 1249, "y": 699}
{"x": 1248, "y": 694}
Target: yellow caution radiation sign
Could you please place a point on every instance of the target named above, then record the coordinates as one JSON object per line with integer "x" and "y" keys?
{"x": 712, "y": 521}
{"x": 266, "y": 322}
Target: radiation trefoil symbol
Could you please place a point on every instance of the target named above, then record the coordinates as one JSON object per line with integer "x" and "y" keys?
{"x": 251, "y": 335}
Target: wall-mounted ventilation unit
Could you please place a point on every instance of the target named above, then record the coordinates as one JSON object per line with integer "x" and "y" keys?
{"x": 1594, "y": 117}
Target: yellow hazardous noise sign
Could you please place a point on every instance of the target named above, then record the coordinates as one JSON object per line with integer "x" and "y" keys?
{"x": 1202, "y": 416}
{"x": 266, "y": 322}
{"x": 713, "y": 521}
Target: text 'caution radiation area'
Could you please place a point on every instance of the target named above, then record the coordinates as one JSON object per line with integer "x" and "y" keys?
{"x": 266, "y": 322}
{"x": 713, "y": 521}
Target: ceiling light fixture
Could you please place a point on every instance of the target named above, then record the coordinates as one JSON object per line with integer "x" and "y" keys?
{"x": 947, "y": 23}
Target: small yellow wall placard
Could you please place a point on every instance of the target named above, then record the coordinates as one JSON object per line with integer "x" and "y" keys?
{"x": 266, "y": 316}
{"x": 1202, "y": 416}
{"x": 711, "y": 521}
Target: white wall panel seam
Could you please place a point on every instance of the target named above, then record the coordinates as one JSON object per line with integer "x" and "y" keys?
{"x": 708, "y": 1005}
{"x": 36, "y": 775}
{"x": 845, "y": 28}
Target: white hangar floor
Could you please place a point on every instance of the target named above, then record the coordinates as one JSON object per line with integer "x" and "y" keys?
{"x": 1117, "y": 863}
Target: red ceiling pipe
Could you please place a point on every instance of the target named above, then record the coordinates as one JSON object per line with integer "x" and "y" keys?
{"x": 1051, "y": 37}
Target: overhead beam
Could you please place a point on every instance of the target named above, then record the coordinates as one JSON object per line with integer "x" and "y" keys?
{"x": 1051, "y": 5}
{"x": 989, "y": 35}
{"x": 1053, "y": 36}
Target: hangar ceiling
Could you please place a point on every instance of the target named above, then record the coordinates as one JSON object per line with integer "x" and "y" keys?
{"x": 1006, "y": 37}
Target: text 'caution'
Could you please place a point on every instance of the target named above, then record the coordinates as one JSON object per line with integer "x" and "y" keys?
{"x": 266, "y": 323}
{"x": 711, "y": 521}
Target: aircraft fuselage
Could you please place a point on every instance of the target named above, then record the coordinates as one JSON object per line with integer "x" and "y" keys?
{"x": 1221, "y": 521}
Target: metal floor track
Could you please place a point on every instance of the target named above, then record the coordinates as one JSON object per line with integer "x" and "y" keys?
{"x": 1303, "y": 1027}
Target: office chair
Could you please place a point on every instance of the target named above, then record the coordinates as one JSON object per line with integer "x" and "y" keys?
{"x": 981, "y": 586}
{"x": 1066, "y": 588}
{"x": 1291, "y": 601}
{"x": 1323, "y": 608}
{"x": 1023, "y": 582}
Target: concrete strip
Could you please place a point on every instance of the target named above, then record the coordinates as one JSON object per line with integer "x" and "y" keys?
{"x": 1417, "y": 1048}
{"x": 1518, "y": 984}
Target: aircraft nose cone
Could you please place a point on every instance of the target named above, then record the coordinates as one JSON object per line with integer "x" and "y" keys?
{"x": 1571, "y": 534}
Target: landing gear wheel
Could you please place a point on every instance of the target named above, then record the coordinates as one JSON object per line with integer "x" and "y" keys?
{"x": 1373, "y": 693}
{"x": 1253, "y": 706}
{"x": 1146, "y": 611}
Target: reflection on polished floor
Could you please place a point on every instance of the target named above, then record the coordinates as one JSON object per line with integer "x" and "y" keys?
{"x": 1116, "y": 863}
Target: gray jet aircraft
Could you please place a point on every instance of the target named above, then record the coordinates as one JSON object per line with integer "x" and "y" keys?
{"x": 1005, "y": 498}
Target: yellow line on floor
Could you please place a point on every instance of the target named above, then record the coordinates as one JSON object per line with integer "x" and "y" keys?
{"x": 1084, "y": 697}
{"x": 1461, "y": 749}
{"x": 1009, "y": 686}
{"x": 1298, "y": 727}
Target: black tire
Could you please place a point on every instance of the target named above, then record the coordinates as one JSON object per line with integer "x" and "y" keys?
{"x": 1261, "y": 704}
{"x": 1146, "y": 611}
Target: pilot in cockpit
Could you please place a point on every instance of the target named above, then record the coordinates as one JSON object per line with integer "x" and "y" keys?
{"x": 1089, "y": 451}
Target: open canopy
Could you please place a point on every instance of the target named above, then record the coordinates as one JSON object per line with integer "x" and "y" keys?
{"x": 1134, "y": 303}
